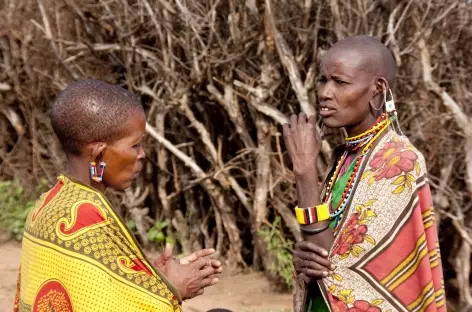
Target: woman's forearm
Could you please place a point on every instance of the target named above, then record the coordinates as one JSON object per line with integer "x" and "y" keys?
{"x": 308, "y": 195}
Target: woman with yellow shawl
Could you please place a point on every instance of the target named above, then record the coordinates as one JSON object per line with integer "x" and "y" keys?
{"x": 370, "y": 239}
{"x": 77, "y": 254}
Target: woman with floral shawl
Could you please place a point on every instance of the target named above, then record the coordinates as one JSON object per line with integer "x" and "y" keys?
{"x": 370, "y": 238}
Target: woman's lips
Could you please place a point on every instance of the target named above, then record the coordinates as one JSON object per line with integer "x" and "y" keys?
{"x": 326, "y": 112}
{"x": 135, "y": 174}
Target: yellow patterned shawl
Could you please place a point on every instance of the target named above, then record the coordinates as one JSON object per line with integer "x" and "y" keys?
{"x": 79, "y": 256}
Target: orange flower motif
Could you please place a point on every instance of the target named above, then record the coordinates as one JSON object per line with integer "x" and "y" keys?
{"x": 393, "y": 159}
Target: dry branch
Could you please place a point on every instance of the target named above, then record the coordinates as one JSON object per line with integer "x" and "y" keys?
{"x": 460, "y": 117}
{"x": 218, "y": 198}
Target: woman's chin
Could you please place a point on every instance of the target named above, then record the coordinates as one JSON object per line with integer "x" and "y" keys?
{"x": 122, "y": 186}
{"x": 330, "y": 122}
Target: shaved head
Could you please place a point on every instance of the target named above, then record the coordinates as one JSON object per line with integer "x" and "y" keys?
{"x": 354, "y": 75}
{"x": 91, "y": 111}
{"x": 371, "y": 55}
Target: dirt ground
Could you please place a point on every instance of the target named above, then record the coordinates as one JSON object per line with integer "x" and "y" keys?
{"x": 239, "y": 293}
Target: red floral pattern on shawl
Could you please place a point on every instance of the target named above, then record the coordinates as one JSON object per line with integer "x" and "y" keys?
{"x": 393, "y": 159}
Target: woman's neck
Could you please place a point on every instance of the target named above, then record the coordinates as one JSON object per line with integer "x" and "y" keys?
{"x": 78, "y": 169}
{"x": 362, "y": 126}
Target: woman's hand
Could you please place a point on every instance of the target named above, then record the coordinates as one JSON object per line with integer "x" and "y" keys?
{"x": 191, "y": 279}
{"x": 161, "y": 261}
{"x": 175, "y": 270}
{"x": 311, "y": 260}
{"x": 201, "y": 254}
{"x": 303, "y": 143}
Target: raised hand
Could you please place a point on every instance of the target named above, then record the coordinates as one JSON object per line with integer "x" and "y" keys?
{"x": 303, "y": 143}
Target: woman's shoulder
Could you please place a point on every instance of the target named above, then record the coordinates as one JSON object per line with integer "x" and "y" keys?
{"x": 406, "y": 144}
{"x": 396, "y": 156}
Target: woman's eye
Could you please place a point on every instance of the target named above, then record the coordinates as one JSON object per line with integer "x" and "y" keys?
{"x": 322, "y": 80}
{"x": 339, "y": 81}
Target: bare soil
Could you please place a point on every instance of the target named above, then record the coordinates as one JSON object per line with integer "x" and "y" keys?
{"x": 238, "y": 293}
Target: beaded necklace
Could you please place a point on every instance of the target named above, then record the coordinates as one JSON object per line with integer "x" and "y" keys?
{"x": 365, "y": 139}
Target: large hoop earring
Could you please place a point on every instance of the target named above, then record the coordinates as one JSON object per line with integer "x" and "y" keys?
{"x": 381, "y": 105}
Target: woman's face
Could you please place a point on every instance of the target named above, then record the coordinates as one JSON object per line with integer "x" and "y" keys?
{"x": 124, "y": 156}
{"x": 344, "y": 90}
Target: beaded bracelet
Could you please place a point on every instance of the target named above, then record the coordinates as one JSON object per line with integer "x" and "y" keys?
{"x": 312, "y": 215}
{"x": 314, "y": 231}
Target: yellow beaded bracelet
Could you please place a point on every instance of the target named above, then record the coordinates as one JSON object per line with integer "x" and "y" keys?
{"x": 312, "y": 214}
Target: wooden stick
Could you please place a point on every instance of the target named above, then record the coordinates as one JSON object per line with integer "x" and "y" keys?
{"x": 463, "y": 122}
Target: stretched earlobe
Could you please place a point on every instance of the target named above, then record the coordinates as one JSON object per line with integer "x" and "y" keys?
{"x": 376, "y": 109}
{"x": 96, "y": 174}
{"x": 97, "y": 149}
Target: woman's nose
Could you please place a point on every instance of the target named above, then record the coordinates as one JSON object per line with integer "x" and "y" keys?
{"x": 141, "y": 154}
{"x": 325, "y": 92}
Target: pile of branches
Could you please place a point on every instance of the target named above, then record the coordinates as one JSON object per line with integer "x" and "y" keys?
{"x": 218, "y": 78}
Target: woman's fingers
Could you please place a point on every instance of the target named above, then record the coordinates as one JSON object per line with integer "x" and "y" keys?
{"x": 293, "y": 121}
{"x": 207, "y": 282}
{"x": 286, "y": 129}
{"x": 310, "y": 247}
{"x": 309, "y": 256}
{"x": 300, "y": 263}
{"x": 196, "y": 255}
{"x": 214, "y": 281}
{"x": 310, "y": 268}
{"x": 302, "y": 118}
{"x": 215, "y": 263}
{"x": 312, "y": 120}
{"x": 207, "y": 271}
{"x": 318, "y": 259}
{"x": 288, "y": 138}
{"x": 314, "y": 273}
{"x": 201, "y": 263}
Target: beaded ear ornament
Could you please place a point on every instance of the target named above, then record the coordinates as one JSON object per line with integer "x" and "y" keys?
{"x": 392, "y": 111}
{"x": 96, "y": 174}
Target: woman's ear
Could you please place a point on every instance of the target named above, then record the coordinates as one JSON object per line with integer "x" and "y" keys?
{"x": 96, "y": 149}
{"x": 381, "y": 85}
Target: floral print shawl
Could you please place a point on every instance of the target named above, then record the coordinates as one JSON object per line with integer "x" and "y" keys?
{"x": 386, "y": 251}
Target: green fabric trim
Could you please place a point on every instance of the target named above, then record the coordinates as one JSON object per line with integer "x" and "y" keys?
{"x": 316, "y": 302}
{"x": 318, "y": 305}
{"x": 340, "y": 185}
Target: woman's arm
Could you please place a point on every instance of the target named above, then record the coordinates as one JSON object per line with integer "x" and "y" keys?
{"x": 308, "y": 195}
{"x": 303, "y": 144}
